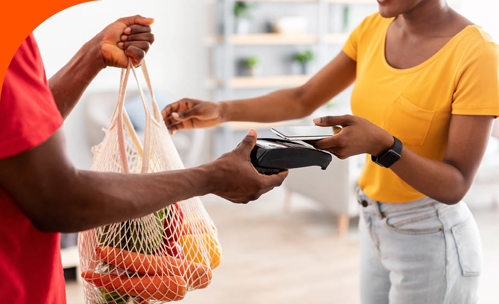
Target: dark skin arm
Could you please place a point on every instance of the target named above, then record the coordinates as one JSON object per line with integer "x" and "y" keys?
{"x": 446, "y": 181}
{"x": 468, "y": 135}
{"x": 279, "y": 105}
{"x": 56, "y": 196}
{"x": 126, "y": 39}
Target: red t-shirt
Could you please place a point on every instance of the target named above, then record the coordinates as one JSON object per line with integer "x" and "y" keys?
{"x": 30, "y": 260}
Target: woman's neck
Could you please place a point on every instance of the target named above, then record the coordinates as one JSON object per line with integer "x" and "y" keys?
{"x": 426, "y": 19}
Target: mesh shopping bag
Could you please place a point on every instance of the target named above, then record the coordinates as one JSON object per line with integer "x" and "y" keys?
{"x": 159, "y": 257}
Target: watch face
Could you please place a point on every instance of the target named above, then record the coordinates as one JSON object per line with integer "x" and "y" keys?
{"x": 390, "y": 156}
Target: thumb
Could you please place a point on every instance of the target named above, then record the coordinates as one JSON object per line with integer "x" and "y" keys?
{"x": 328, "y": 121}
{"x": 248, "y": 142}
{"x": 137, "y": 19}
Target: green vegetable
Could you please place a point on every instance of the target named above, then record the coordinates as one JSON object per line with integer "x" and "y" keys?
{"x": 114, "y": 297}
{"x": 143, "y": 236}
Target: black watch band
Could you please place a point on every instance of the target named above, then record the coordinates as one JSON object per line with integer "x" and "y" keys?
{"x": 390, "y": 156}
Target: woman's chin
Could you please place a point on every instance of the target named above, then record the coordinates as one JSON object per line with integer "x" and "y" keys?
{"x": 386, "y": 12}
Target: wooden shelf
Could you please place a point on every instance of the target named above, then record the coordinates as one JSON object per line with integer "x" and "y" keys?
{"x": 272, "y": 39}
{"x": 267, "y": 81}
{"x": 311, "y": 1}
{"x": 352, "y": 1}
{"x": 280, "y": 39}
{"x": 273, "y": 1}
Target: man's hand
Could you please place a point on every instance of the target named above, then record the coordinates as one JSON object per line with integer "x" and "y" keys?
{"x": 127, "y": 37}
{"x": 191, "y": 113}
{"x": 234, "y": 178}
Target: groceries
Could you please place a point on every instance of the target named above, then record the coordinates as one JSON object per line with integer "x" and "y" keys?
{"x": 143, "y": 260}
{"x": 156, "y": 277}
{"x": 161, "y": 288}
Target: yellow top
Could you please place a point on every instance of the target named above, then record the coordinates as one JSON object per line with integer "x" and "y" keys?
{"x": 415, "y": 104}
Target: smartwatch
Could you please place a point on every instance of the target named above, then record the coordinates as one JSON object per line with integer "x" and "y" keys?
{"x": 390, "y": 156}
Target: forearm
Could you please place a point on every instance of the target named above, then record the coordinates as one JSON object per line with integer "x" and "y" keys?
{"x": 437, "y": 179}
{"x": 89, "y": 199}
{"x": 69, "y": 83}
{"x": 297, "y": 102}
{"x": 277, "y": 106}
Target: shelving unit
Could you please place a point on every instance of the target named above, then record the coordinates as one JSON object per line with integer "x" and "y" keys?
{"x": 272, "y": 39}
{"x": 309, "y": 1}
{"x": 319, "y": 39}
{"x": 268, "y": 81}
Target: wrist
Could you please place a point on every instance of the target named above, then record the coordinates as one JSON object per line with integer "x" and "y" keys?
{"x": 206, "y": 174}
{"x": 385, "y": 143}
{"x": 223, "y": 111}
{"x": 391, "y": 155}
{"x": 93, "y": 48}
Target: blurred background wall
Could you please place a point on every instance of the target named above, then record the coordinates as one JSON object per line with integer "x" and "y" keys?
{"x": 200, "y": 51}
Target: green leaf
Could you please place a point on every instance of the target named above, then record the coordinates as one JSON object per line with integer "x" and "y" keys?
{"x": 304, "y": 57}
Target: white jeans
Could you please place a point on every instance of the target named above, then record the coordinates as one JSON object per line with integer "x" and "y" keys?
{"x": 418, "y": 252}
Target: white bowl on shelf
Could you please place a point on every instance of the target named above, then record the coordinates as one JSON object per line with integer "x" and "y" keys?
{"x": 290, "y": 25}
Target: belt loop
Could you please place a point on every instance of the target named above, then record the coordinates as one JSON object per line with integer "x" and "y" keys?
{"x": 380, "y": 212}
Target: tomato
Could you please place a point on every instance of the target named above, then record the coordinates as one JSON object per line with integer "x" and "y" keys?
{"x": 173, "y": 249}
{"x": 173, "y": 224}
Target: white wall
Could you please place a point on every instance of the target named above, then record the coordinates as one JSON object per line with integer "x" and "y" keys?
{"x": 482, "y": 12}
{"x": 177, "y": 61}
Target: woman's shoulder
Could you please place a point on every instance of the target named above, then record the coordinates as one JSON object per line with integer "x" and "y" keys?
{"x": 475, "y": 41}
{"x": 479, "y": 36}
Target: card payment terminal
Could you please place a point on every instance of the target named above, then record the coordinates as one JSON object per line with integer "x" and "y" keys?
{"x": 271, "y": 156}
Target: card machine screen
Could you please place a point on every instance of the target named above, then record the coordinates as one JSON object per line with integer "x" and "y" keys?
{"x": 274, "y": 144}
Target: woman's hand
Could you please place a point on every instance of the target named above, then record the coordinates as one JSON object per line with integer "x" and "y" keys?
{"x": 191, "y": 113}
{"x": 357, "y": 136}
{"x": 233, "y": 177}
{"x": 127, "y": 37}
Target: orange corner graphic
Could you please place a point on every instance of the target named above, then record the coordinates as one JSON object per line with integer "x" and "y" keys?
{"x": 19, "y": 19}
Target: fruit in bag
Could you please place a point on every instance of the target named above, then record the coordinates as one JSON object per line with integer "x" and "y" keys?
{"x": 203, "y": 249}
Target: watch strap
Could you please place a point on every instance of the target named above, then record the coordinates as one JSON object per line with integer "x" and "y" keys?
{"x": 390, "y": 156}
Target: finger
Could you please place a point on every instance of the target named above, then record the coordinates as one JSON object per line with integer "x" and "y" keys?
{"x": 147, "y": 37}
{"x": 328, "y": 121}
{"x": 326, "y": 143}
{"x": 136, "y": 54}
{"x": 173, "y": 107}
{"x": 137, "y": 19}
{"x": 171, "y": 120}
{"x": 137, "y": 29}
{"x": 174, "y": 128}
{"x": 248, "y": 142}
{"x": 166, "y": 112}
{"x": 180, "y": 126}
{"x": 275, "y": 180}
{"x": 195, "y": 112}
{"x": 143, "y": 45}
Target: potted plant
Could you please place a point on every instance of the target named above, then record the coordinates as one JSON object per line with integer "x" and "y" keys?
{"x": 304, "y": 58}
{"x": 250, "y": 65}
{"x": 242, "y": 14}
